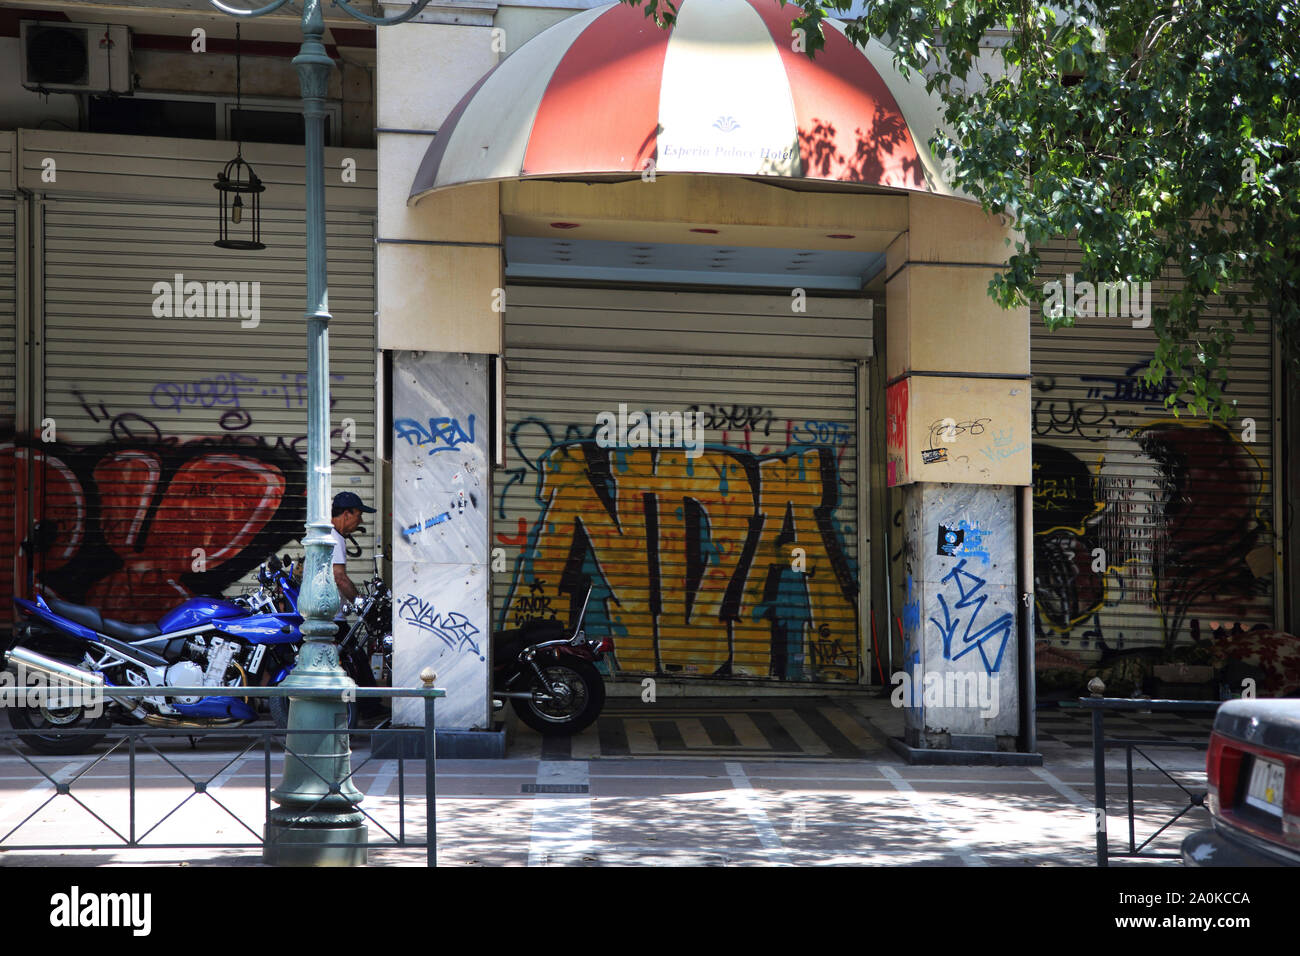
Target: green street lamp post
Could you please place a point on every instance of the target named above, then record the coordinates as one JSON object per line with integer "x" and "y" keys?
{"x": 317, "y": 821}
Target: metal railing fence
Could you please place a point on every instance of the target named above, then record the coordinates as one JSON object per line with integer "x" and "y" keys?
{"x": 1100, "y": 742}
{"x": 134, "y": 743}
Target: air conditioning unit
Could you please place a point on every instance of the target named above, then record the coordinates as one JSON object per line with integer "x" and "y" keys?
{"x": 75, "y": 57}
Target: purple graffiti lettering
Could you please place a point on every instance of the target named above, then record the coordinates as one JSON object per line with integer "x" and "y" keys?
{"x": 820, "y": 433}
{"x": 444, "y": 434}
{"x": 455, "y": 629}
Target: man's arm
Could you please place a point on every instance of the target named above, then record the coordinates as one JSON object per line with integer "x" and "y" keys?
{"x": 347, "y": 590}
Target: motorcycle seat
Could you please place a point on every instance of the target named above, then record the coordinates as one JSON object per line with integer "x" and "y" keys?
{"x": 506, "y": 645}
{"x": 130, "y": 632}
{"x": 88, "y": 616}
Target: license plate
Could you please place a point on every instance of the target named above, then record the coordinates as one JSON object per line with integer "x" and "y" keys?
{"x": 1265, "y": 789}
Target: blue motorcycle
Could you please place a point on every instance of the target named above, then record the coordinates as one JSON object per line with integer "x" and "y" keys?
{"x": 365, "y": 645}
{"x": 71, "y": 649}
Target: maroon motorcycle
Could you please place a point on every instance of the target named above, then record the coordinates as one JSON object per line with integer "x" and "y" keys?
{"x": 548, "y": 673}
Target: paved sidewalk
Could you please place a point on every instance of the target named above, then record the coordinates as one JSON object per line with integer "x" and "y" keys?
{"x": 695, "y": 808}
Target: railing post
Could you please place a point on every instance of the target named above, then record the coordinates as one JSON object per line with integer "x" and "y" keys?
{"x": 427, "y": 677}
{"x": 130, "y": 745}
{"x": 1132, "y": 825}
{"x": 1098, "y": 689}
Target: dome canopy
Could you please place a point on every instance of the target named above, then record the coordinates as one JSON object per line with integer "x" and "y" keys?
{"x": 607, "y": 93}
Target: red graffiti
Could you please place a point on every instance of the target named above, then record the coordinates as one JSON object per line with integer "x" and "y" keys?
{"x": 519, "y": 539}
{"x": 135, "y": 530}
{"x": 1190, "y": 541}
{"x": 896, "y": 398}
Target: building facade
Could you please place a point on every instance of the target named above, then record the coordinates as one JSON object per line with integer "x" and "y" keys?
{"x": 546, "y": 218}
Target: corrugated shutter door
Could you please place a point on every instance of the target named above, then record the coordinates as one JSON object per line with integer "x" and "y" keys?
{"x": 8, "y": 398}
{"x": 181, "y": 439}
{"x": 739, "y": 562}
{"x": 8, "y": 314}
{"x": 1149, "y": 529}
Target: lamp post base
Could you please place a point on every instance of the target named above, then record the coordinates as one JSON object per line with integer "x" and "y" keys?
{"x": 288, "y": 844}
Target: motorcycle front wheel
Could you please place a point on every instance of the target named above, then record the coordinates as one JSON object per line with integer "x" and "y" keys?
{"x": 579, "y": 698}
{"x": 46, "y": 723}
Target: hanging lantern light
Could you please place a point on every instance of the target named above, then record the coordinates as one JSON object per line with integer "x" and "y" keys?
{"x": 239, "y": 219}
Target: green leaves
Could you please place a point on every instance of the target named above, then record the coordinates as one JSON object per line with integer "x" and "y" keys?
{"x": 1164, "y": 137}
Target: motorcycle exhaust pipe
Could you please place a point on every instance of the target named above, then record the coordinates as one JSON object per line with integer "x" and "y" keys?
{"x": 158, "y": 720}
{"x": 24, "y": 660}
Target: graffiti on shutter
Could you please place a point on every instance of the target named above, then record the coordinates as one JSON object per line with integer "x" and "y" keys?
{"x": 117, "y": 522}
{"x": 1151, "y": 532}
{"x": 730, "y": 563}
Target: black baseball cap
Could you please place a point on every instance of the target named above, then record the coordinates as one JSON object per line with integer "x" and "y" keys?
{"x": 348, "y": 499}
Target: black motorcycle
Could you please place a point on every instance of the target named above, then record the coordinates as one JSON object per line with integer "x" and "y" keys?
{"x": 365, "y": 647}
{"x": 548, "y": 673}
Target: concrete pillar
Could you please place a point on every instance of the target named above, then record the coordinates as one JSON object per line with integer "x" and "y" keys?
{"x": 439, "y": 304}
{"x": 958, "y": 433}
{"x": 441, "y": 498}
{"x": 960, "y": 617}
{"x": 438, "y": 264}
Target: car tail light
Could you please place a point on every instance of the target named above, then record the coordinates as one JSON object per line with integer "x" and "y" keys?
{"x": 1291, "y": 804}
{"x": 1222, "y": 768}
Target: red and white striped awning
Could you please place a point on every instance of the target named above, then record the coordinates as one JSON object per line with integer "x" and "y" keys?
{"x": 606, "y": 92}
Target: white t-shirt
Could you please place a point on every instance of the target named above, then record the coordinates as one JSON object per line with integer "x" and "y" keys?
{"x": 340, "y": 557}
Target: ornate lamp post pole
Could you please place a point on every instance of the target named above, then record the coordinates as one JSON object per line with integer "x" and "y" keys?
{"x": 316, "y": 821}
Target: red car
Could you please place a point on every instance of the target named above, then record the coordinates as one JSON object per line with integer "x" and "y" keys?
{"x": 1253, "y": 779}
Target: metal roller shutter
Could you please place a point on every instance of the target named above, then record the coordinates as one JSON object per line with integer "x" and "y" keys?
{"x": 8, "y": 314}
{"x": 693, "y": 560}
{"x": 178, "y": 464}
{"x": 1149, "y": 529}
{"x": 9, "y": 519}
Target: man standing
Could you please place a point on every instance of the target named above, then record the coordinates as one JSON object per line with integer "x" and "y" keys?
{"x": 347, "y": 513}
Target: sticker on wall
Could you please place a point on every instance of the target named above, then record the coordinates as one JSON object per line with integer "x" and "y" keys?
{"x": 931, "y": 455}
{"x": 950, "y": 540}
